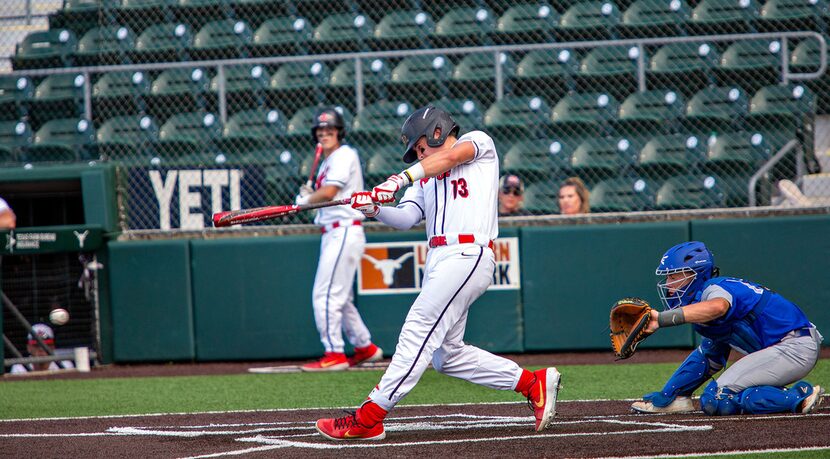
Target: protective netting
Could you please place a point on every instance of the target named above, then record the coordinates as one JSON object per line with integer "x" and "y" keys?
{"x": 214, "y": 108}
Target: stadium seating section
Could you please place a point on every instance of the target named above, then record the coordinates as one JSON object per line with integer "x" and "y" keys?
{"x": 710, "y": 114}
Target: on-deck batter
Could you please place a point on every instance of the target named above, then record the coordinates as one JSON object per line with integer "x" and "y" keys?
{"x": 454, "y": 188}
{"x": 339, "y": 175}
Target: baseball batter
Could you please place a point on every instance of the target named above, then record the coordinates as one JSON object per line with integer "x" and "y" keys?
{"x": 339, "y": 175}
{"x": 780, "y": 345}
{"x": 454, "y": 188}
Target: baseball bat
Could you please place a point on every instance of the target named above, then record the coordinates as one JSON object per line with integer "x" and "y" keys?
{"x": 257, "y": 214}
{"x": 317, "y": 153}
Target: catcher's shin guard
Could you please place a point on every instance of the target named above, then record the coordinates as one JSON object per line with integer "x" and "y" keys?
{"x": 716, "y": 401}
{"x": 800, "y": 398}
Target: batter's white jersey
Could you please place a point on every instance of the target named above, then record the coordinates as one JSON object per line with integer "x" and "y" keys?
{"x": 463, "y": 200}
{"x": 341, "y": 169}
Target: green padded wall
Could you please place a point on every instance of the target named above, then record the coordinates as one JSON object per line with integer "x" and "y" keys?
{"x": 573, "y": 274}
{"x": 252, "y": 298}
{"x": 494, "y": 322}
{"x": 789, "y": 255}
{"x": 150, "y": 292}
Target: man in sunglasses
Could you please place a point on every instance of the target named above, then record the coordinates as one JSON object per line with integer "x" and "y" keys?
{"x": 511, "y": 196}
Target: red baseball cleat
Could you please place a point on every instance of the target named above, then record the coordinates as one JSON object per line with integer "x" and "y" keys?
{"x": 347, "y": 428}
{"x": 542, "y": 396}
{"x": 370, "y": 353}
{"x": 331, "y": 361}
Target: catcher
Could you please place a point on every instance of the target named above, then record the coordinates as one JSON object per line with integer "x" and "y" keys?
{"x": 780, "y": 345}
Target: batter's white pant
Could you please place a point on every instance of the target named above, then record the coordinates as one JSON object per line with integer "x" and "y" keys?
{"x": 332, "y": 297}
{"x": 778, "y": 365}
{"x": 454, "y": 277}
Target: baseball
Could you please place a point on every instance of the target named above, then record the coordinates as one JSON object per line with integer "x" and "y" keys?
{"x": 59, "y": 316}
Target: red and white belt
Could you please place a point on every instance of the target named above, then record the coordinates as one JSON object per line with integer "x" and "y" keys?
{"x": 437, "y": 241}
{"x": 340, "y": 223}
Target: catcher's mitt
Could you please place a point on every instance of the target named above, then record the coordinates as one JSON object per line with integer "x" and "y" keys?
{"x": 629, "y": 318}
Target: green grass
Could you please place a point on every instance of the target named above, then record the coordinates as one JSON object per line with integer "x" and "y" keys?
{"x": 110, "y": 396}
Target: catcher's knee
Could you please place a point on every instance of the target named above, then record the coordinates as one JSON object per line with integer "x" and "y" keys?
{"x": 717, "y": 401}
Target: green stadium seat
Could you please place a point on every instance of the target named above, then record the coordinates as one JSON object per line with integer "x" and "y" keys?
{"x": 254, "y": 130}
{"x": 380, "y": 122}
{"x": 668, "y": 155}
{"x": 105, "y": 46}
{"x": 604, "y": 157}
{"x": 777, "y": 15}
{"x": 585, "y": 113}
{"x": 783, "y": 113}
{"x": 188, "y": 138}
{"x": 15, "y": 138}
{"x": 245, "y": 87}
{"x": 655, "y": 18}
{"x": 805, "y": 58}
{"x": 717, "y": 108}
{"x": 297, "y": 84}
{"x": 282, "y": 35}
{"x": 465, "y": 112}
{"x": 128, "y": 139}
{"x": 318, "y": 10}
{"x": 622, "y": 195}
{"x": 343, "y": 32}
{"x": 514, "y": 118}
{"x": 403, "y": 30}
{"x": 83, "y": 15}
{"x": 383, "y": 161}
{"x": 165, "y": 42}
{"x": 282, "y": 180}
{"x": 736, "y": 153}
{"x": 464, "y": 26}
{"x": 536, "y": 159}
{"x": 62, "y": 140}
{"x": 527, "y": 23}
{"x": 223, "y": 39}
{"x": 49, "y": 48}
{"x": 750, "y": 63}
{"x": 198, "y": 13}
{"x": 657, "y": 110}
{"x": 58, "y": 96}
{"x": 712, "y": 17}
{"x": 257, "y": 12}
{"x": 546, "y": 73}
{"x": 475, "y": 74}
{"x": 690, "y": 192}
{"x": 120, "y": 93}
{"x": 15, "y": 94}
{"x": 589, "y": 20}
{"x": 298, "y": 131}
{"x": 611, "y": 68}
{"x": 375, "y": 74}
{"x": 686, "y": 67}
{"x": 140, "y": 15}
{"x": 420, "y": 79}
{"x": 542, "y": 198}
{"x": 178, "y": 90}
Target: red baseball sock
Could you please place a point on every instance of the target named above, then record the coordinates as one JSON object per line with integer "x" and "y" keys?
{"x": 369, "y": 414}
{"x": 525, "y": 382}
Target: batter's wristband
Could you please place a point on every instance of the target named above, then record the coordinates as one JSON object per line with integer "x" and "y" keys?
{"x": 414, "y": 173}
{"x": 671, "y": 318}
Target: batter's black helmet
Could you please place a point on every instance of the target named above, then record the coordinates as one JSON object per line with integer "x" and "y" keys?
{"x": 328, "y": 117}
{"x": 423, "y": 123}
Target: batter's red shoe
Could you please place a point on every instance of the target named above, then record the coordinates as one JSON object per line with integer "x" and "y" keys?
{"x": 347, "y": 428}
{"x": 542, "y": 396}
{"x": 331, "y": 361}
{"x": 370, "y": 353}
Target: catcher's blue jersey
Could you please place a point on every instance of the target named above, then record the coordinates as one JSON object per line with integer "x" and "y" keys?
{"x": 757, "y": 318}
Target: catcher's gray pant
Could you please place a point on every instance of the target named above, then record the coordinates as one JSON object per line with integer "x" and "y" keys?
{"x": 454, "y": 277}
{"x": 332, "y": 298}
{"x": 781, "y": 364}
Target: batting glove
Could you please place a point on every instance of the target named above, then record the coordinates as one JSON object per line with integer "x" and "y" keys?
{"x": 362, "y": 201}
{"x": 385, "y": 192}
{"x": 305, "y": 190}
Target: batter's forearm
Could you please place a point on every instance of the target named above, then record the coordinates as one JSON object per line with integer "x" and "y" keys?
{"x": 401, "y": 218}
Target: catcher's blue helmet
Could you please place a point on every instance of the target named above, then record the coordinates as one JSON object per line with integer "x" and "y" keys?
{"x": 692, "y": 258}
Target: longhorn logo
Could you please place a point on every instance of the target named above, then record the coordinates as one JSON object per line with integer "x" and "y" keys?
{"x": 387, "y": 267}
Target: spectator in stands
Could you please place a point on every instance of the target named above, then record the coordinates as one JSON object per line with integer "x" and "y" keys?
{"x": 574, "y": 197}
{"x": 511, "y": 196}
{"x": 8, "y": 220}
{"x": 47, "y": 335}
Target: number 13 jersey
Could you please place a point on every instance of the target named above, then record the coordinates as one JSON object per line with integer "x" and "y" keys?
{"x": 463, "y": 200}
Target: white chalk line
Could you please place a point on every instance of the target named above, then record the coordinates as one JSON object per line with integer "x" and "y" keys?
{"x": 724, "y": 453}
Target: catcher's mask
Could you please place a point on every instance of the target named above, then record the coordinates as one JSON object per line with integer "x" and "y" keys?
{"x": 329, "y": 117}
{"x": 697, "y": 264}
{"x": 422, "y": 123}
